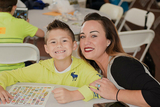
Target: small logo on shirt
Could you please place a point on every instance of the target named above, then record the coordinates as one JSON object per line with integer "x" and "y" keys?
{"x": 74, "y": 76}
{"x": 100, "y": 75}
{"x": 95, "y": 95}
{"x": 2, "y": 30}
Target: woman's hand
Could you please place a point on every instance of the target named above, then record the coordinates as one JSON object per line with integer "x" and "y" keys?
{"x": 4, "y": 96}
{"x": 106, "y": 90}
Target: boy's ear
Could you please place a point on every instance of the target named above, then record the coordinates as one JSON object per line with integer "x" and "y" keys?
{"x": 46, "y": 49}
{"x": 13, "y": 9}
{"x": 74, "y": 45}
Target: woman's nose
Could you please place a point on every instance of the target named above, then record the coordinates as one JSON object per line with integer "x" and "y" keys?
{"x": 87, "y": 41}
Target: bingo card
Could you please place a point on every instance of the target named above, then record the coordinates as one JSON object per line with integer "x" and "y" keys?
{"x": 30, "y": 95}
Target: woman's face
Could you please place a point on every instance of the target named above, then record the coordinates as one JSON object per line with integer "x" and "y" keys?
{"x": 93, "y": 42}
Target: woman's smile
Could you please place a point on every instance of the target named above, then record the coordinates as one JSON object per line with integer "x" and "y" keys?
{"x": 88, "y": 49}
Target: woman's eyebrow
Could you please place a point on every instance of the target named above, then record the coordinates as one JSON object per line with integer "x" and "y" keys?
{"x": 90, "y": 32}
{"x": 93, "y": 31}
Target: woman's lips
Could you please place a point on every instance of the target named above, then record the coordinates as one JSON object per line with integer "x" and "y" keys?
{"x": 88, "y": 49}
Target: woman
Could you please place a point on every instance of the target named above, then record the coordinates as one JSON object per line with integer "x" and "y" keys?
{"x": 125, "y": 78}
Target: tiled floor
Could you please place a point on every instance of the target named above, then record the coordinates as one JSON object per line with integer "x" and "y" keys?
{"x": 154, "y": 48}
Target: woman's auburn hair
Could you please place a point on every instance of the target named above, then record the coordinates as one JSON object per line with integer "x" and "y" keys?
{"x": 115, "y": 47}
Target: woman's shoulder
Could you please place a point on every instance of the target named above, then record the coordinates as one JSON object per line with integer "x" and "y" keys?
{"x": 125, "y": 60}
{"x": 125, "y": 71}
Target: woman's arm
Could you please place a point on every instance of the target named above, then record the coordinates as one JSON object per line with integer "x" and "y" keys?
{"x": 141, "y": 88}
{"x": 108, "y": 91}
{"x": 132, "y": 97}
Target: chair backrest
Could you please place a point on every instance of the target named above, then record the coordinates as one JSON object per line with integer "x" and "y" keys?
{"x": 133, "y": 40}
{"x": 113, "y": 11}
{"x": 138, "y": 17}
{"x": 11, "y": 53}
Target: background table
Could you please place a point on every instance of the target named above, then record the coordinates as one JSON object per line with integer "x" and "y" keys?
{"x": 37, "y": 18}
{"x": 53, "y": 103}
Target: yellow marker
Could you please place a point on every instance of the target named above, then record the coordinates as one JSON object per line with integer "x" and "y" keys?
{"x": 2, "y": 30}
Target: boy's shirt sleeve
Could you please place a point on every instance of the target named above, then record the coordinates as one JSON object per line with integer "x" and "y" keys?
{"x": 29, "y": 29}
{"x": 87, "y": 93}
{"x": 25, "y": 74}
{"x": 89, "y": 75}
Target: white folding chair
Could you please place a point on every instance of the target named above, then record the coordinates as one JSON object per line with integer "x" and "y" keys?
{"x": 12, "y": 53}
{"x": 133, "y": 40}
{"x": 138, "y": 17}
{"x": 113, "y": 11}
{"x": 129, "y": 1}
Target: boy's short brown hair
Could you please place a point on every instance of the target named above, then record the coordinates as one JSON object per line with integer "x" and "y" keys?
{"x": 57, "y": 24}
{"x": 6, "y": 5}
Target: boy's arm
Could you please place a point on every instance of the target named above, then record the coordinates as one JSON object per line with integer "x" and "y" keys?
{"x": 26, "y": 74}
{"x": 40, "y": 33}
{"x": 63, "y": 95}
{"x": 89, "y": 75}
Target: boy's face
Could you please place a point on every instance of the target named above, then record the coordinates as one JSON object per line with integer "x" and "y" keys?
{"x": 59, "y": 44}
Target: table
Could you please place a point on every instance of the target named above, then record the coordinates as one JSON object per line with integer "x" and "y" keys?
{"x": 53, "y": 103}
{"x": 37, "y": 18}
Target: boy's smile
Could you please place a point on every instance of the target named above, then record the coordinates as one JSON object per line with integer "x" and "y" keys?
{"x": 58, "y": 52}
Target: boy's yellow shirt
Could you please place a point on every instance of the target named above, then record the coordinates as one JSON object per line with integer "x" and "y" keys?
{"x": 14, "y": 30}
{"x": 80, "y": 75}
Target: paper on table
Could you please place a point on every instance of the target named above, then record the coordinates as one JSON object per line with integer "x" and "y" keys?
{"x": 52, "y": 13}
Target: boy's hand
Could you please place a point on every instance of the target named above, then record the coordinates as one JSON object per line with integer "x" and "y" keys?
{"x": 63, "y": 95}
{"x": 4, "y": 96}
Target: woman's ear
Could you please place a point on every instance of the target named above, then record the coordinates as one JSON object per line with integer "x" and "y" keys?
{"x": 46, "y": 49}
{"x": 109, "y": 42}
{"x": 74, "y": 45}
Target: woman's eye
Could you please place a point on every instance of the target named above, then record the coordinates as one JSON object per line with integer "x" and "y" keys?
{"x": 93, "y": 36}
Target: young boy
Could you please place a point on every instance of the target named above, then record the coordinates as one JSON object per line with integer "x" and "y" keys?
{"x": 62, "y": 68}
{"x": 14, "y": 30}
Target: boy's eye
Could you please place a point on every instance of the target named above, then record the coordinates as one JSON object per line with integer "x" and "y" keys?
{"x": 53, "y": 42}
{"x": 64, "y": 40}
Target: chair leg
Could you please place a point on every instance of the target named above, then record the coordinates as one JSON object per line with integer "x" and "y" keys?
{"x": 127, "y": 27}
{"x": 156, "y": 23}
{"x": 150, "y": 4}
{"x": 144, "y": 2}
{"x": 120, "y": 2}
{"x": 132, "y": 3}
